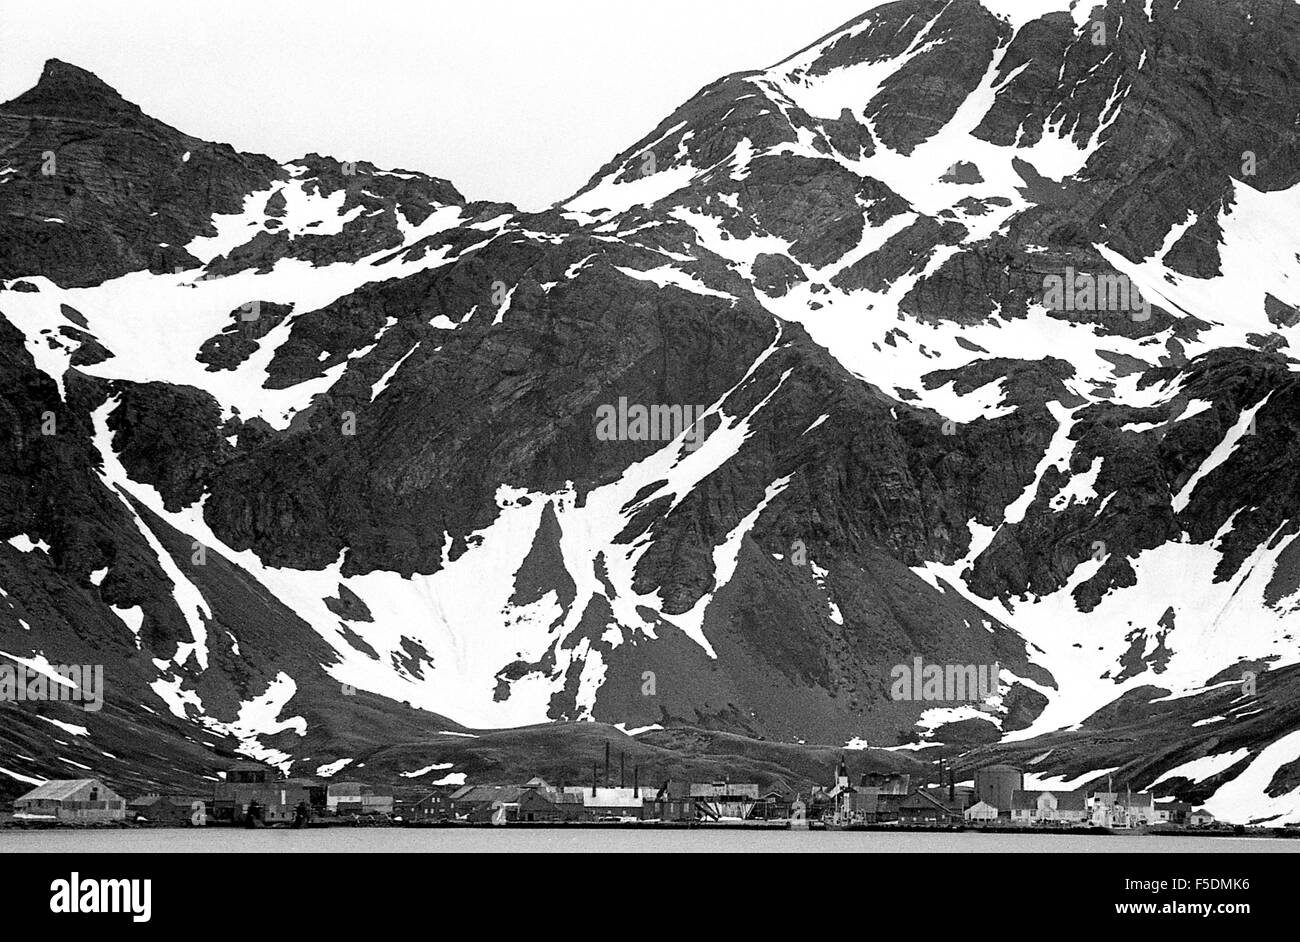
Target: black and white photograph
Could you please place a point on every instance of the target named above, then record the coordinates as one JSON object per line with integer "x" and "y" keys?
{"x": 725, "y": 426}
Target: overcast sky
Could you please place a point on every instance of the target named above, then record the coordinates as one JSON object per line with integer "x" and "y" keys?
{"x": 509, "y": 99}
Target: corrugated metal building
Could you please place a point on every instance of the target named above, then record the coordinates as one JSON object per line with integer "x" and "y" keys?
{"x": 72, "y": 801}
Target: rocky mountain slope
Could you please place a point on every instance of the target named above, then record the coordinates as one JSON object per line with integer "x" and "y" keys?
{"x": 965, "y": 333}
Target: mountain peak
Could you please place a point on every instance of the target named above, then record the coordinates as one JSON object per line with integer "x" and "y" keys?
{"x": 69, "y": 91}
{"x": 56, "y": 71}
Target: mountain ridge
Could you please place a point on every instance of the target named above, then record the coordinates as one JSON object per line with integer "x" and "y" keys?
{"x": 894, "y": 462}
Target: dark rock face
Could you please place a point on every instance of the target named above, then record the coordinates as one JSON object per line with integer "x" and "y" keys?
{"x": 873, "y": 436}
{"x": 129, "y": 190}
{"x": 235, "y": 344}
{"x": 89, "y": 351}
{"x": 775, "y": 274}
{"x": 963, "y": 171}
{"x": 169, "y": 437}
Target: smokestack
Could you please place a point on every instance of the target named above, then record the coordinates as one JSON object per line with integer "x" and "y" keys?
{"x": 607, "y": 765}
{"x": 636, "y": 782}
{"x": 952, "y": 785}
{"x": 593, "y": 780}
{"x": 622, "y": 770}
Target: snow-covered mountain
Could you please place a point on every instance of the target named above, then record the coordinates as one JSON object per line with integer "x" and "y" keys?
{"x": 984, "y": 313}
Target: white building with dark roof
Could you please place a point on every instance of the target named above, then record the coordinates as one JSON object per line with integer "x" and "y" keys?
{"x": 607, "y": 803}
{"x": 981, "y": 813}
{"x": 1045, "y": 807}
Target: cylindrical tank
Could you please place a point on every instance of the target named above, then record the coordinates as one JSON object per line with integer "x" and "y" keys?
{"x": 995, "y": 783}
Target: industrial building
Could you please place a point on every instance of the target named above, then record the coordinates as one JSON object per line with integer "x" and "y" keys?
{"x": 251, "y": 786}
{"x": 72, "y": 801}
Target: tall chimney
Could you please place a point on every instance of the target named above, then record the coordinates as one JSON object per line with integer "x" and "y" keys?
{"x": 636, "y": 781}
{"x": 952, "y": 784}
{"x": 622, "y": 769}
{"x": 607, "y": 765}
{"x": 593, "y": 780}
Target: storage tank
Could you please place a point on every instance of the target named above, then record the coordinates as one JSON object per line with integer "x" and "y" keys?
{"x": 995, "y": 783}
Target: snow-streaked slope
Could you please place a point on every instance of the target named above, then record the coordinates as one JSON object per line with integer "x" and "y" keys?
{"x": 462, "y": 615}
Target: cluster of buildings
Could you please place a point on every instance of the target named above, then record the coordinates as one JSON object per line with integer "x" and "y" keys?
{"x": 539, "y": 802}
{"x": 253, "y": 794}
{"x": 999, "y": 798}
{"x": 250, "y": 793}
{"x": 251, "y": 790}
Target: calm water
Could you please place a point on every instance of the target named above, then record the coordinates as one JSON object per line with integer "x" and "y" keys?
{"x": 514, "y": 841}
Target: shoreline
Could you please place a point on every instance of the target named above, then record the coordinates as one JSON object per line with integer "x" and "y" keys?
{"x": 746, "y": 826}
